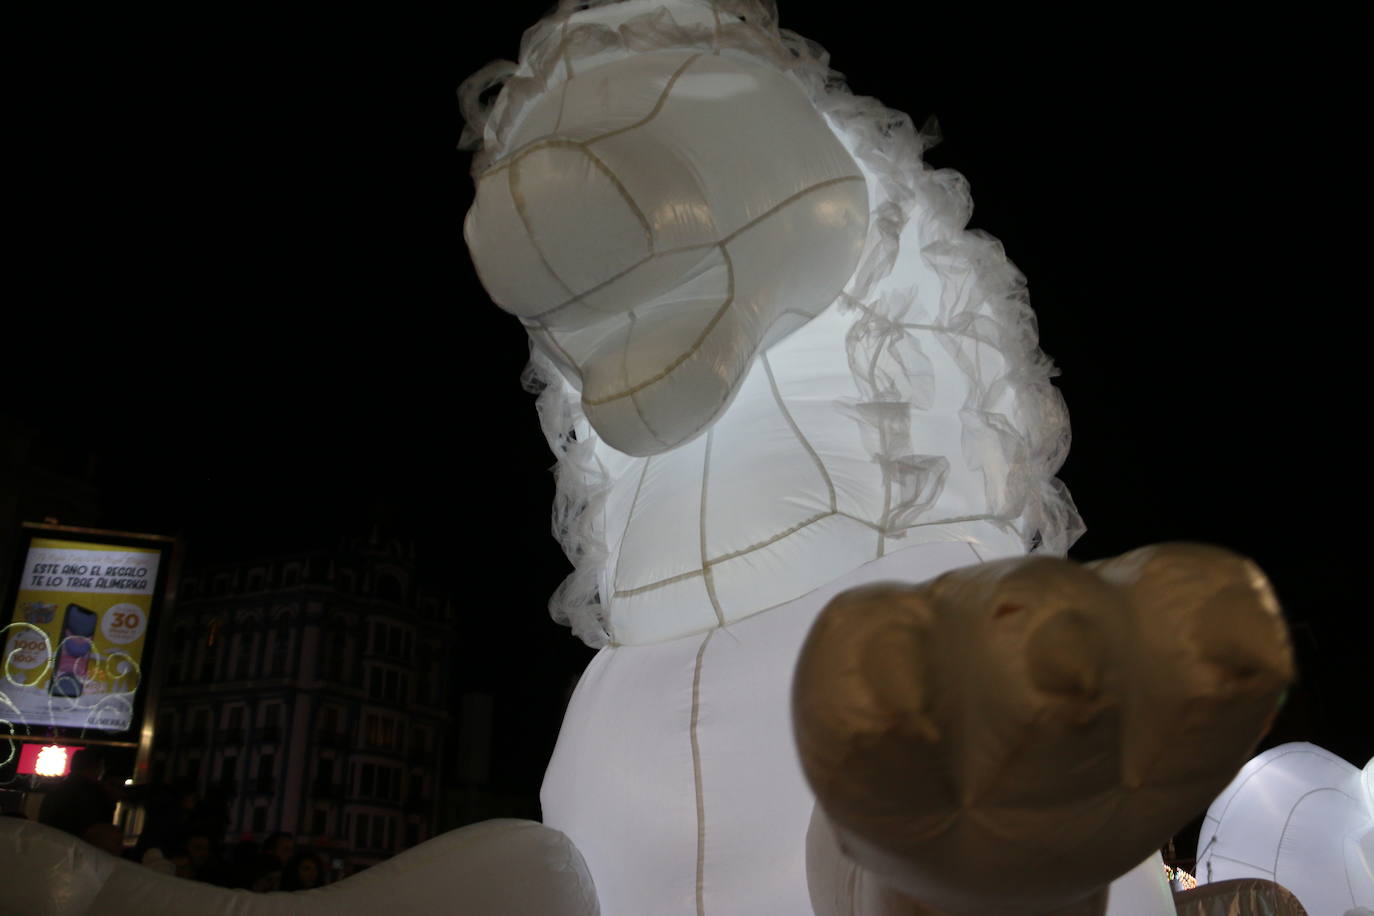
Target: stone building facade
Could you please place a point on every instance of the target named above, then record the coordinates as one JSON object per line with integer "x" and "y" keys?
{"x": 312, "y": 691}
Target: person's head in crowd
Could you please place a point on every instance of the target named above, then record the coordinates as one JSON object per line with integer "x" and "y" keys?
{"x": 245, "y": 864}
{"x": 105, "y": 836}
{"x": 88, "y": 763}
{"x": 186, "y": 794}
{"x": 279, "y": 846}
{"x": 199, "y": 849}
{"x": 304, "y": 871}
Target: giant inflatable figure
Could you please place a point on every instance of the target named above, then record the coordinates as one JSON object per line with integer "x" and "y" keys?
{"x": 774, "y": 366}
{"x": 806, "y": 446}
{"x": 1301, "y": 817}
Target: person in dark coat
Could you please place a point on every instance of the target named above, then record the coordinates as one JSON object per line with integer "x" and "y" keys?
{"x": 81, "y": 799}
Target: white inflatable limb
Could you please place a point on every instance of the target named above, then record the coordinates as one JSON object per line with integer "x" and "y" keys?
{"x": 1012, "y": 737}
{"x": 1300, "y": 816}
{"x": 495, "y": 868}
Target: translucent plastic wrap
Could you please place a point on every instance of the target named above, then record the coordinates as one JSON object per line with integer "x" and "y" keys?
{"x": 767, "y": 349}
{"x": 1300, "y": 816}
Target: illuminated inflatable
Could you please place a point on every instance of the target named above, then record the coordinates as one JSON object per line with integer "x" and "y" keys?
{"x": 803, "y": 427}
{"x": 1299, "y": 816}
{"x": 774, "y": 366}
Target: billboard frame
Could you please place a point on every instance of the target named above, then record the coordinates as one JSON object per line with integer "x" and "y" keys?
{"x": 141, "y": 731}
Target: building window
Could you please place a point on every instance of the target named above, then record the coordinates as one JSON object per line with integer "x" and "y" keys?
{"x": 324, "y": 777}
{"x": 228, "y": 772}
{"x": 319, "y": 822}
{"x": 260, "y": 819}
{"x": 389, "y": 589}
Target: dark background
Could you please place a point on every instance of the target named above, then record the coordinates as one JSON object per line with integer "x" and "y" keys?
{"x": 244, "y": 288}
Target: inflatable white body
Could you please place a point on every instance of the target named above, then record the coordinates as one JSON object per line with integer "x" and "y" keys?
{"x": 1299, "y": 816}
{"x": 774, "y": 366}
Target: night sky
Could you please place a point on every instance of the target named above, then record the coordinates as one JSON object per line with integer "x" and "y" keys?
{"x": 245, "y": 289}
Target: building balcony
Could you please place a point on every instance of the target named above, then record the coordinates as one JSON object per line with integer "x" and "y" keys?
{"x": 373, "y": 798}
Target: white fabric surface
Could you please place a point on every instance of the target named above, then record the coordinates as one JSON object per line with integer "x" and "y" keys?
{"x": 1297, "y": 815}
{"x": 622, "y": 781}
{"x": 495, "y": 868}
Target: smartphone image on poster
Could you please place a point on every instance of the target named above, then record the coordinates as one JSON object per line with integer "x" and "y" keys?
{"x": 73, "y": 656}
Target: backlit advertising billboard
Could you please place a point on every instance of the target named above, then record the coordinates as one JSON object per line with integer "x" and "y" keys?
{"x": 78, "y": 631}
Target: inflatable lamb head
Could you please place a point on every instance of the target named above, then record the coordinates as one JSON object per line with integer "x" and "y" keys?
{"x": 774, "y": 367}
{"x": 655, "y": 220}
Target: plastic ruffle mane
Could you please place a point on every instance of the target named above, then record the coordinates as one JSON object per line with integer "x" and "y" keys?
{"x": 983, "y": 296}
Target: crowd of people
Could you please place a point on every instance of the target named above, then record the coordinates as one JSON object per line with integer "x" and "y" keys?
{"x": 182, "y": 832}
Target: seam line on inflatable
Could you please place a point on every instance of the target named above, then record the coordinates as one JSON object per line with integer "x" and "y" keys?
{"x": 602, "y": 167}
{"x": 1236, "y": 793}
{"x": 625, "y": 374}
{"x": 701, "y": 528}
{"x": 624, "y": 192}
{"x": 572, "y": 363}
{"x": 563, "y": 87}
{"x": 1283, "y": 834}
{"x": 519, "y": 201}
{"x": 1261, "y": 868}
{"x": 691, "y": 351}
{"x": 691, "y": 573}
{"x": 658, "y": 106}
{"x": 629, "y": 519}
{"x": 696, "y": 775}
{"x": 554, "y": 140}
{"x": 575, "y": 298}
{"x": 796, "y": 430}
{"x": 730, "y": 297}
{"x": 736, "y": 554}
{"x": 538, "y": 317}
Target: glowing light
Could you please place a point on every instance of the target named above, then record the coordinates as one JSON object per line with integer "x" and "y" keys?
{"x": 52, "y": 761}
